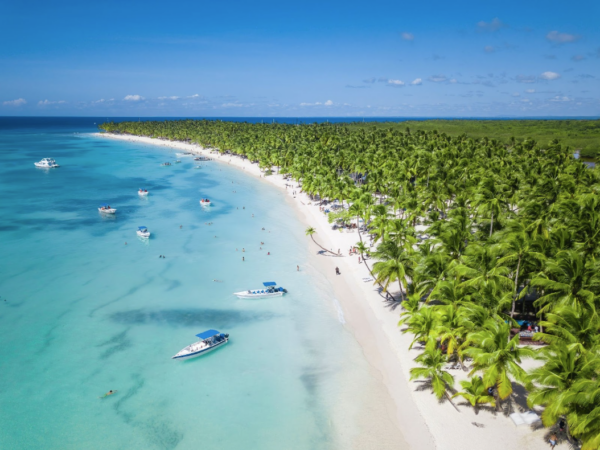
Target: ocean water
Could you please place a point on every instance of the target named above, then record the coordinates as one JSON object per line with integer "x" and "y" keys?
{"x": 86, "y": 306}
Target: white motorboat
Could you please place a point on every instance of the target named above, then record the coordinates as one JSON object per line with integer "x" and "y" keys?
{"x": 143, "y": 232}
{"x": 205, "y": 202}
{"x": 46, "y": 163}
{"x": 106, "y": 209}
{"x": 166, "y": 164}
{"x": 208, "y": 340}
{"x": 184, "y": 154}
{"x": 143, "y": 192}
{"x": 271, "y": 291}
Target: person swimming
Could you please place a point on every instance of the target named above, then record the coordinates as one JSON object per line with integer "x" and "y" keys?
{"x": 111, "y": 392}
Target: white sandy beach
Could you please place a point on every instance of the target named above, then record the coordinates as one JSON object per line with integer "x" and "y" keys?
{"x": 423, "y": 422}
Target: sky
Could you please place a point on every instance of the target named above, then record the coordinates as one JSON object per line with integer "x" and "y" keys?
{"x": 300, "y": 59}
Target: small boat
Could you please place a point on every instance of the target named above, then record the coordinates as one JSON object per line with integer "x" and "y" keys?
{"x": 177, "y": 162}
{"x": 46, "y": 163}
{"x": 143, "y": 232}
{"x": 184, "y": 154}
{"x": 106, "y": 209}
{"x": 205, "y": 202}
{"x": 198, "y": 167}
{"x": 271, "y": 291}
{"x": 202, "y": 158}
{"x": 166, "y": 164}
{"x": 208, "y": 340}
{"x": 143, "y": 192}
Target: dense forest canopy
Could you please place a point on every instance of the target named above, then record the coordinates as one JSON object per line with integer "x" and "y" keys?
{"x": 465, "y": 227}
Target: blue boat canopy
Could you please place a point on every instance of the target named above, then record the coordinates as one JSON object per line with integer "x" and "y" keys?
{"x": 269, "y": 283}
{"x": 207, "y": 334}
{"x": 142, "y": 228}
{"x": 105, "y": 205}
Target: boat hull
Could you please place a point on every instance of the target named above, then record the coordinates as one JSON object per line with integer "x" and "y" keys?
{"x": 202, "y": 352}
{"x": 142, "y": 194}
{"x": 264, "y": 295}
{"x": 206, "y": 204}
{"x": 45, "y": 166}
{"x": 143, "y": 235}
{"x": 107, "y": 211}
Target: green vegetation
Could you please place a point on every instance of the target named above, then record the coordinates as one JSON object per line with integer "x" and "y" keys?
{"x": 464, "y": 229}
{"x": 582, "y": 135}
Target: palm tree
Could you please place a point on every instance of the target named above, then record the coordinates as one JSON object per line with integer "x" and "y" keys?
{"x": 497, "y": 356}
{"x": 432, "y": 361}
{"x": 311, "y": 232}
{"x": 476, "y": 393}
{"x": 395, "y": 264}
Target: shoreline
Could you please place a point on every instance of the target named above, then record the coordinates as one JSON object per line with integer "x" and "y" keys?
{"x": 423, "y": 422}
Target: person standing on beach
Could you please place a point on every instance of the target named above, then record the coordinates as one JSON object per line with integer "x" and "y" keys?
{"x": 337, "y": 270}
{"x": 553, "y": 440}
{"x": 297, "y": 268}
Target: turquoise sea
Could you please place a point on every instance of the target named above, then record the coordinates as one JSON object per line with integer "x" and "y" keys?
{"x": 86, "y": 306}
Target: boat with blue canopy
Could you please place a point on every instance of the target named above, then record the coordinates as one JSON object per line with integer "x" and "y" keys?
{"x": 106, "y": 209}
{"x": 143, "y": 232}
{"x": 207, "y": 341}
{"x": 270, "y": 290}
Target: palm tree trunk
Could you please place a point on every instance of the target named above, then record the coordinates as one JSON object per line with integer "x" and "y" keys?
{"x": 450, "y": 400}
{"x": 401, "y": 292}
{"x": 318, "y": 245}
{"x": 492, "y": 224}
{"x": 514, "y": 302}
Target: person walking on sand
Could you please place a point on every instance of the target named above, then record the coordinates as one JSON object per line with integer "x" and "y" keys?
{"x": 337, "y": 270}
{"x": 297, "y": 268}
{"x": 553, "y": 440}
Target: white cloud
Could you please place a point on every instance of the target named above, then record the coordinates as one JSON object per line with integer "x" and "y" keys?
{"x": 328, "y": 103}
{"x": 395, "y": 83}
{"x": 172, "y": 97}
{"x": 194, "y": 96}
{"x": 453, "y": 81}
{"x": 48, "y": 102}
{"x": 408, "y": 36}
{"x": 489, "y": 49}
{"x": 525, "y": 79}
{"x": 549, "y": 76}
{"x": 516, "y": 94}
{"x": 416, "y": 82}
{"x": 17, "y": 102}
{"x": 438, "y": 78}
{"x": 559, "y": 98}
{"x": 494, "y": 25}
{"x": 236, "y": 105}
{"x": 530, "y": 91}
{"x": 561, "y": 38}
{"x": 133, "y": 98}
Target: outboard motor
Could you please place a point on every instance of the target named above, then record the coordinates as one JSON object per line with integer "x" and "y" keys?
{"x": 226, "y": 335}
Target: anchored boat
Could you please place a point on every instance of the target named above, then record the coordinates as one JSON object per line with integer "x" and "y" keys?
{"x": 205, "y": 202}
{"x": 46, "y": 163}
{"x": 106, "y": 209}
{"x": 208, "y": 340}
{"x": 271, "y": 291}
{"x": 143, "y": 232}
{"x": 143, "y": 192}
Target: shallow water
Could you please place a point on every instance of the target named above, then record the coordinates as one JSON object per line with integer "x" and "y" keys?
{"x": 90, "y": 307}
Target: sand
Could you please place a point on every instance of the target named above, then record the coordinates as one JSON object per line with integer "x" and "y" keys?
{"x": 423, "y": 422}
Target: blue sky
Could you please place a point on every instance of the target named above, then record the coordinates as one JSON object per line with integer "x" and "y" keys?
{"x": 299, "y": 59}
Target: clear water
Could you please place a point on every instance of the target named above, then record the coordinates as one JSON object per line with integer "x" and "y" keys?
{"x": 90, "y": 307}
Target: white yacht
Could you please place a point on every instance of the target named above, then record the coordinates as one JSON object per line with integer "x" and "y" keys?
{"x": 205, "y": 202}
{"x": 143, "y": 232}
{"x": 143, "y": 192}
{"x": 46, "y": 163}
{"x": 208, "y": 340}
{"x": 271, "y": 291}
{"x": 106, "y": 209}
